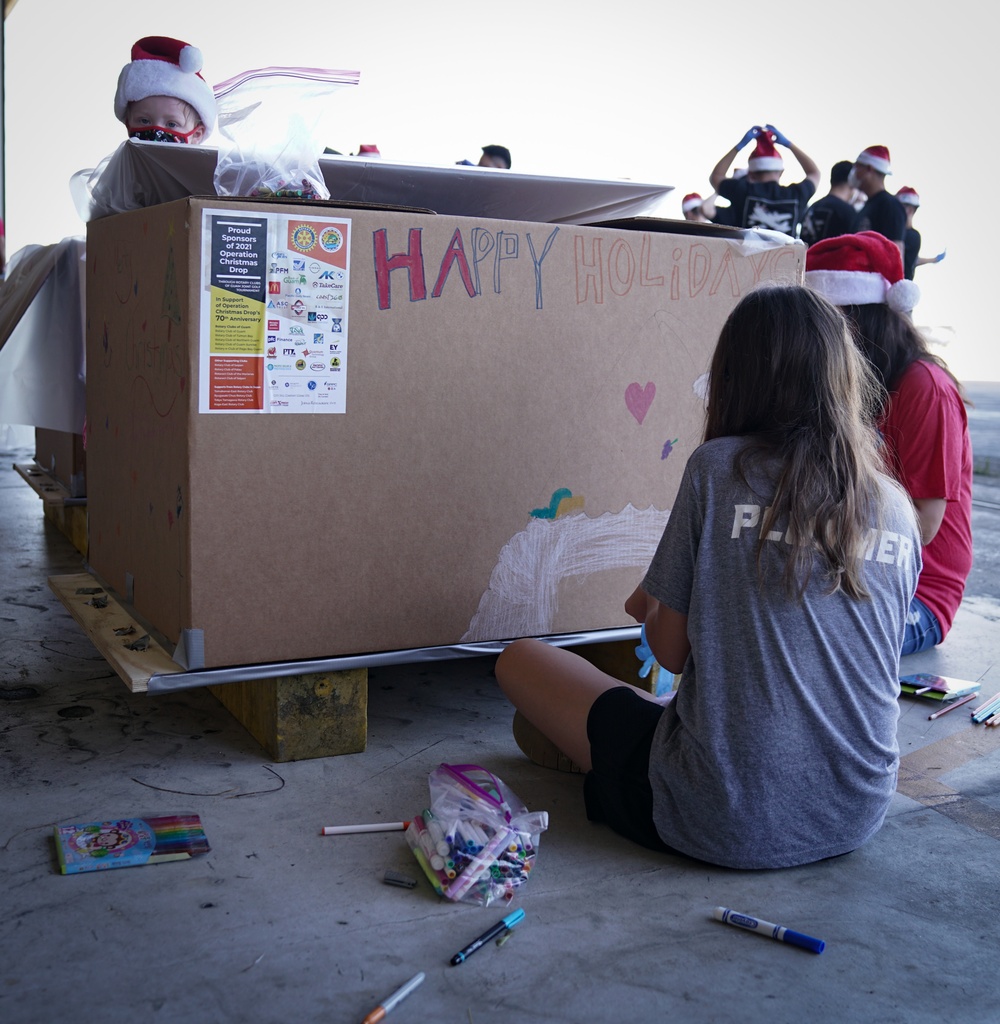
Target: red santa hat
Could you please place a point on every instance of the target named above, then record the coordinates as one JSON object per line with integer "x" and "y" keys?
{"x": 162, "y": 66}
{"x": 859, "y": 270}
{"x": 876, "y": 157}
{"x": 765, "y": 157}
{"x": 908, "y": 196}
{"x": 365, "y": 150}
{"x": 690, "y": 202}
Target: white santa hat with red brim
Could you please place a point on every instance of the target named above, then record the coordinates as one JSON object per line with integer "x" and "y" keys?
{"x": 691, "y": 202}
{"x": 876, "y": 157}
{"x": 860, "y": 270}
{"x": 765, "y": 157}
{"x": 162, "y": 66}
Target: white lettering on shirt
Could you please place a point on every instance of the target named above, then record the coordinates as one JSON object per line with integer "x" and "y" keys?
{"x": 888, "y": 547}
{"x": 884, "y": 546}
{"x": 748, "y": 516}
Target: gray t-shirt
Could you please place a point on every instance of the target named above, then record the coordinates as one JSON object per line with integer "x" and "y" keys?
{"x": 780, "y": 746}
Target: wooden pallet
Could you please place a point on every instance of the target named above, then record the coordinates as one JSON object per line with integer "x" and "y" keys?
{"x": 293, "y": 717}
{"x": 121, "y": 639}
{"x": 67, "y": 514}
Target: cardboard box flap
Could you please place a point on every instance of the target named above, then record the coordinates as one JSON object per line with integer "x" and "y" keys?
{"x": 140, "y": 174}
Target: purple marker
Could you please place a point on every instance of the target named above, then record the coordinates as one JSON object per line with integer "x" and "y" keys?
{"x": 773, "y": 931}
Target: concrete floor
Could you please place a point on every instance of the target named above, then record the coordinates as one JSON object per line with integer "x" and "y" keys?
{"x": 278, "y": 922}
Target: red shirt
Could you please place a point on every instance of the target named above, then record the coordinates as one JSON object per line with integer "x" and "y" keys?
{"x": 926, "y": 431}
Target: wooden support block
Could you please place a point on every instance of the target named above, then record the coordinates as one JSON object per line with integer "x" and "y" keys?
{"x": 301, "y": 716}
{"x": 68, "y": 515}
{"x": 618, "y": 659}
{"x": 292, "y": 717}
{"x": 71, "y": 521}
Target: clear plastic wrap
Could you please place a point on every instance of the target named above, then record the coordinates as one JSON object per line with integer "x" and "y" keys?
{"x": 270, "y": 131}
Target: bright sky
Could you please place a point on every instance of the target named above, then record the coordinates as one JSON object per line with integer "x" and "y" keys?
{"x": 631, "y": 89}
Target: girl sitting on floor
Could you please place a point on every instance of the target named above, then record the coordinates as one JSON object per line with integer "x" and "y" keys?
{"x": 779, "y": 591}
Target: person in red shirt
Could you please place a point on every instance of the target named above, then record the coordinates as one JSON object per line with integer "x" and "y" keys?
{"x": 923, "y": 421}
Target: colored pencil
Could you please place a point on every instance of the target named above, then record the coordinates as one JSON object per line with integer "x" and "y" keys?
{"x": 957, "y": 704}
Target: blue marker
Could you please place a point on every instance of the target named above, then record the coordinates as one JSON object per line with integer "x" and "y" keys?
{"x": 773, "y": 931}
{"x": 499, "y": 928}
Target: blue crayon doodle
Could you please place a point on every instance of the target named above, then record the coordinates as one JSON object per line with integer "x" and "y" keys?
{"x": 668, "y": 448}
{"x": 537, "y": 263}
{"x": 553, "y": 506}
{"x": 561, "y": 503}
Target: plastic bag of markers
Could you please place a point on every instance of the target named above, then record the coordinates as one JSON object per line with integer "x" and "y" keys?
{"x": 477, "y": 842}
{"x": 272, "y": 122}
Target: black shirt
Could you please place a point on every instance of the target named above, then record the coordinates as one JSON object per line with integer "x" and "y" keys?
{"x": 827, "y": 218}
{"x": 767, "y": 204}
{"x": 883, "y": 213}
{"x": 911, "y": 250}
{"x": 724, "y": 215}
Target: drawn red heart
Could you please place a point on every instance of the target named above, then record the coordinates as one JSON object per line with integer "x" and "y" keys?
{"x": 639, "y": 399}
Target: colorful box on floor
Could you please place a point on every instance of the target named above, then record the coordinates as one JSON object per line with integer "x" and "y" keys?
{"x": 128, "y": 842}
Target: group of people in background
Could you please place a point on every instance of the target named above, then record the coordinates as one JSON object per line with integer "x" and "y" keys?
{"x": 858, "y": 199}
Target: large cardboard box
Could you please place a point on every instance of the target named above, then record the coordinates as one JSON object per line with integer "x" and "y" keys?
{"x": 317, "y": 432}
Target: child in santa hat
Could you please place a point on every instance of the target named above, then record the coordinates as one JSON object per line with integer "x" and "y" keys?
{"x": 922, "y": 421}
{"x": 161, "y": 95}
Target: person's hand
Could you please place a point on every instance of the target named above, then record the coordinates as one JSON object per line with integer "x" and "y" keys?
{"x": 940, "y": 256}
{"x": 778, "y": 137}
{"x": 751, "y": 134}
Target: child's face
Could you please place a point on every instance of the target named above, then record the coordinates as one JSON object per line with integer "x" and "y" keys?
{"x": 166, "y": 114}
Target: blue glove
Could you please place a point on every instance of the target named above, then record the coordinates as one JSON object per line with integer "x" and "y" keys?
{"x": 644, "y": 654}
{"x": 751, "y": 134}
{"x": 664, "y": 680}
{"x": 778, "y": 137}
{"x": 940, "y": 256}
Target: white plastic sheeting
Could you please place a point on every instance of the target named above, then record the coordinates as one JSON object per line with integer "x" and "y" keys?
{"x": 42, "y": 342}
{"x": 140, "y": 174}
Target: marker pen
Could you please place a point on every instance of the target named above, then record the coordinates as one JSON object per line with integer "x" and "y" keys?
{"x": 513, "y": 918}
{"x": 381, "y": 826}
{"x": 773, "y": 931}
{"x": 427, "y": 844}
{"x": 389, "y": 1004}
{"x": 436, "y": 834}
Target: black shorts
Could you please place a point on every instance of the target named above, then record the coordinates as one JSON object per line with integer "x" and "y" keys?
{"x": 616, "y": 791}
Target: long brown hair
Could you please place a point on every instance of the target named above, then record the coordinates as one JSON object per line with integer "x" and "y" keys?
{"x": 786, "y": 375}
{"x": 891, "y": 343}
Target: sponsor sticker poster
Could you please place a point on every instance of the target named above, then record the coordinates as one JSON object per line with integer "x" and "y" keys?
{"x": 275, "y": 289}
